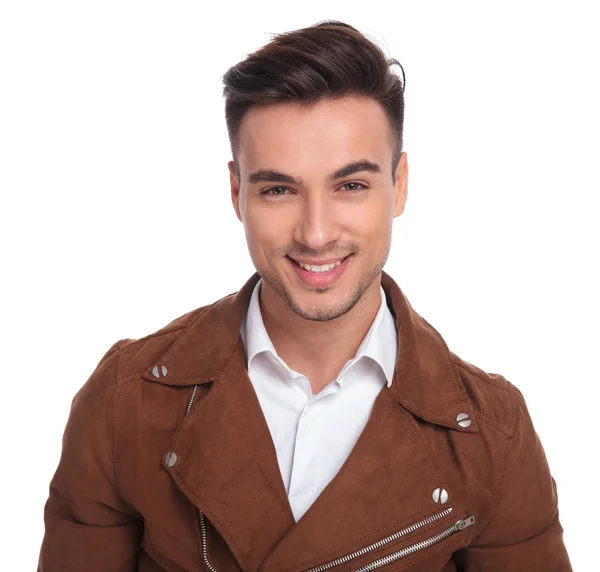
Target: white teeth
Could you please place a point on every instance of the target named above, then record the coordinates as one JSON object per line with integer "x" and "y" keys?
{"x": 320, "y": 269}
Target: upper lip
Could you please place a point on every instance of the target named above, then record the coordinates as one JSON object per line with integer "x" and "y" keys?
{"x": 314, "y": 262}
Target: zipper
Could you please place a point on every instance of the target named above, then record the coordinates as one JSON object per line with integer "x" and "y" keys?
{"x": 459, "y": 525}
{"x": 204, "y": 553}
{"x": 191, "y": 399}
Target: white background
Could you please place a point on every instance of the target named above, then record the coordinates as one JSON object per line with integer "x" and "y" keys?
{"x": 116, "y": 215}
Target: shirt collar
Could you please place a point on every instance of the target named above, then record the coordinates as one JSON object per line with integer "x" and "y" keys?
{"x": 380, "y": 343}
{"x": 195, "y": 348}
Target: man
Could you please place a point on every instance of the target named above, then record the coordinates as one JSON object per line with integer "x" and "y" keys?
{"x": 313, "y": 420}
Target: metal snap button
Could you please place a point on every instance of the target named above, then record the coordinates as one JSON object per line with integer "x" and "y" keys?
{"x": 163, "y": 369}
{"x": 440, "y": 496}
{"x": 463, "y": 419}
{"x": 170, "y": 458}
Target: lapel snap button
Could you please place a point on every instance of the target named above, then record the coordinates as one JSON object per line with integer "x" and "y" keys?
{"x": 170, "y": 458}
{"x": 163, "y": 370}
{"x": 463, "y": 419}
{"x": 440, "y": 496}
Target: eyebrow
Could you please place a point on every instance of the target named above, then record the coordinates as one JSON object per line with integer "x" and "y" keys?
{"x": 272, "y": 176}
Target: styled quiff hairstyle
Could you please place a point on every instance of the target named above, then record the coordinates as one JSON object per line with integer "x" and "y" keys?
{"x": 330, "y": 60}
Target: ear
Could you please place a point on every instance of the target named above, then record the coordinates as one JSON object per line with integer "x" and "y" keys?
{"x": 401, "y": 186}
{"x": 235, "y": 189}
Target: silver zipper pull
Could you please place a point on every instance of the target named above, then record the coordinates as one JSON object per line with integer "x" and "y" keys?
{"x": 460, "y": 524}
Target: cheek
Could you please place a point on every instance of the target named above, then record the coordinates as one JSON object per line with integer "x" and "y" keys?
{"x": 371, "y": 222}
{"x": 266, "y": 229}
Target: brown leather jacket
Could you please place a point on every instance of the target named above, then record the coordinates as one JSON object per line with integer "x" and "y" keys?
{"x": 168, "y": 465}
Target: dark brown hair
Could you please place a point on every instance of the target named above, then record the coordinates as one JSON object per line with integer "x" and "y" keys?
{"x": 330, "y": 59}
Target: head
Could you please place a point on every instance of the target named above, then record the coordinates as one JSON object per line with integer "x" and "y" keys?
{"x": 315, "y": 121}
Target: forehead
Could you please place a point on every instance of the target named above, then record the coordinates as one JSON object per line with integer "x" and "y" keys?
{"x": 301, "y": 138}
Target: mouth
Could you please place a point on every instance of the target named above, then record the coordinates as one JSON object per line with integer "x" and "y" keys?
{"x": 322, "y": 275}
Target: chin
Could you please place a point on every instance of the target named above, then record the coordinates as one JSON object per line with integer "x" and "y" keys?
{"x": 321, "y": 304}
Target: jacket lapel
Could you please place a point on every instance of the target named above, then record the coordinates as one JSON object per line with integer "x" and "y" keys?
{"x": 227, "y": 464}
{"x": 385, "y": 484}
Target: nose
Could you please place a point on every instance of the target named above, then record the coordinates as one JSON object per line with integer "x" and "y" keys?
{"x": 317, "y": 223}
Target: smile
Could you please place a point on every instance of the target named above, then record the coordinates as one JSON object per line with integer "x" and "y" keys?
{"x": 320, "y": 269}
{"x": 320, "y": 275}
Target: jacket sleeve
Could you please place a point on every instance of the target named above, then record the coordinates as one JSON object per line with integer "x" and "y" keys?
{"x": 525, "y": 533}
{"x": 88, "y": 526}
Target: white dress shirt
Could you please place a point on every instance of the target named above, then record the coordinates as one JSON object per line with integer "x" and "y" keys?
{"x": 314, "y": 434}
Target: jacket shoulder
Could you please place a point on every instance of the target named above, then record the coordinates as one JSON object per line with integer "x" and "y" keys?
{"x": 495, "y": 399}
{"x": 136, "y": 354}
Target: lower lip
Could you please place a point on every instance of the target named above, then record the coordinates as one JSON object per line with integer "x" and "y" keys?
{"x": 321, "y": 279}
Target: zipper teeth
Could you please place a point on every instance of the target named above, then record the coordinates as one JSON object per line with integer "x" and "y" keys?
{"x": 204, "y": 553}
{"x": 459, "y": 525}
{"x": 412, "y": 548}
{"x": 382, "y": 542}
{"x": 191, "y": 399}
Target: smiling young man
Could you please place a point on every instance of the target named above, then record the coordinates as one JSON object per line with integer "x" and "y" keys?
{"x": 313, "y": 420}
{"x": 319, "y": 240}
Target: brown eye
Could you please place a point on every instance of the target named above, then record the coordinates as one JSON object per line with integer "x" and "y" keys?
{"x": 354, "y": 183}
{"x": 269, "y": 192}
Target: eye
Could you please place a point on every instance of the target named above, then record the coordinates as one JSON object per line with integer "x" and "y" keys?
{"x": 354, "y": 183}
{"x": 280, "y": 191}
{"x": 269, "y": 192}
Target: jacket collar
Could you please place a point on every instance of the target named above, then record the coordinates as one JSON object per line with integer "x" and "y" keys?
{"x": 426, "y": 379}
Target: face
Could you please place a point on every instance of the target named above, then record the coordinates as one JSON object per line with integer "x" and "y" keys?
{"x": 317, "y": 200}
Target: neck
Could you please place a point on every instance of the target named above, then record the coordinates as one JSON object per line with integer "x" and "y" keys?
{"x": 316, "y": 349}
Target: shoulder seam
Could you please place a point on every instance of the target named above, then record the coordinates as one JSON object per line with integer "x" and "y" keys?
{"x": 200, "y": 310}
{"x": 153, "y": 335}
{"x": 507, "y": 449}
{"x": 478, "y": 376}
{"x": 489, "y": 421}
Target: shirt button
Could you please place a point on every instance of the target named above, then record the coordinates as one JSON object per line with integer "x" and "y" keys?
{"x": 170, "y": 458}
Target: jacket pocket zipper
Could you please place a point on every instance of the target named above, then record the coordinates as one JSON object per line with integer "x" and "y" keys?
{"x": 459, "y": 525}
